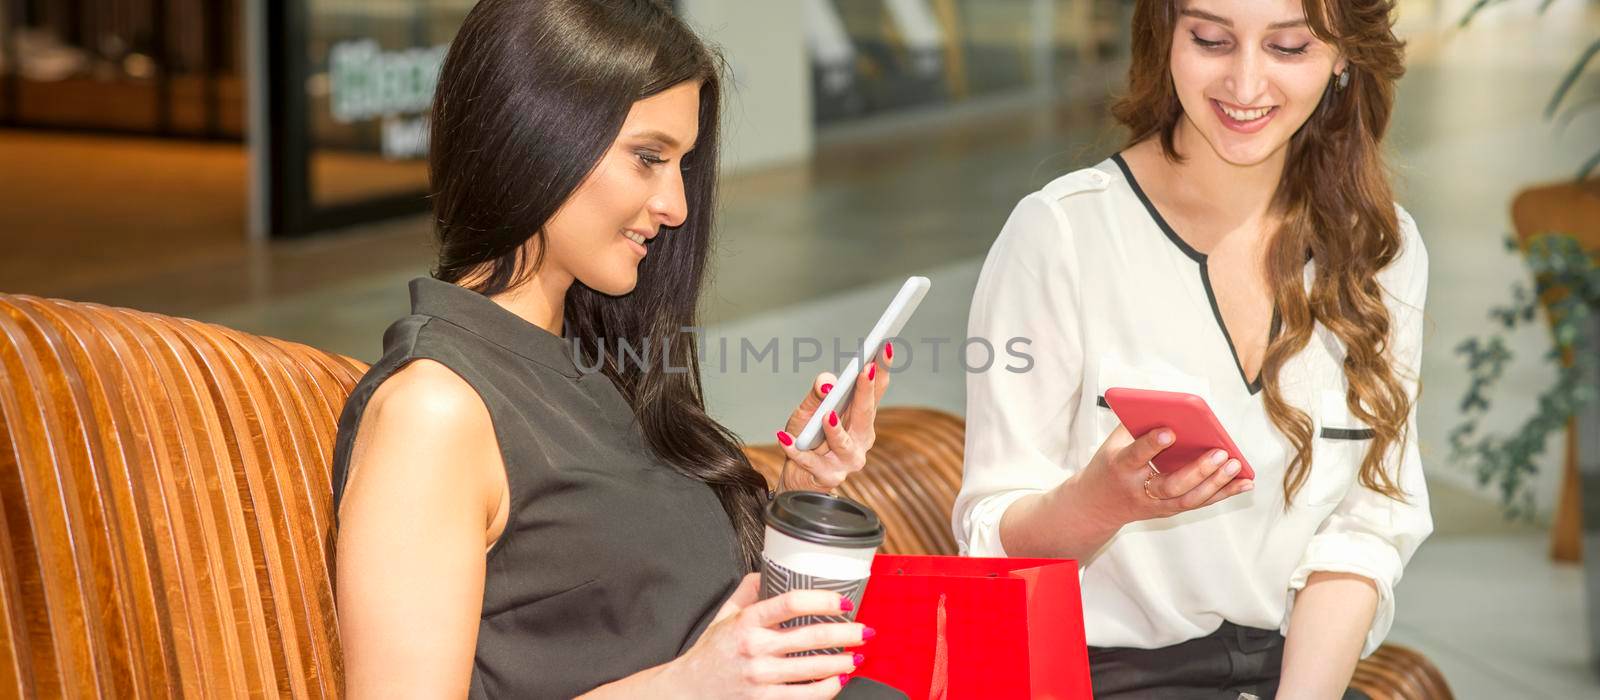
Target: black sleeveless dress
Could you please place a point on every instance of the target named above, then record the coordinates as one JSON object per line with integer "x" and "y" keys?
{"x": 611, "y": 561}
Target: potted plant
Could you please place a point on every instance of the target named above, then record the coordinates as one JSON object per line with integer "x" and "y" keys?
{"x": 1567, "y": 285}
{"x": 1558, "y": 233}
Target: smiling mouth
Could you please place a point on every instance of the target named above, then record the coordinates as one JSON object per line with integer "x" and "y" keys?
{"x": 636, "y": 238}
{"x": 1244, "y": 116}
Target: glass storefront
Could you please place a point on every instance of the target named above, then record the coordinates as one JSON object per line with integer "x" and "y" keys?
{"x": 871, "y": 57}
{"x": 158, "y": 67}
{"x": 360, "y": 75}
{"x": 351, "y": 81}
{"x": 373, "y": 65}
{"x": 346, "y": 84}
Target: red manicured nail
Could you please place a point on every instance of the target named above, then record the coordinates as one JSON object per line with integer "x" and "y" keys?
{"x": 872, "y": 371}
{"x": 784, "y": 438}
{"x": 826, "y": 388}
{"x": 868, "y": 633}
{"x": 844, "y": 678}
{"x": 888, "y": 351}
{"x": 846, "y": 605}
{"x": 859, "y": 659}
{"x": 833, "y": 419}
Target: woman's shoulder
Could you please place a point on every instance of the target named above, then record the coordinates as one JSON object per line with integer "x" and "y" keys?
{"x": 1411, "y": 243}
{"x": 412, "y": 377}
{"x": 429, "y": 393}
{"x": 421, "y": 418}
{"x": 1070, "y": 201}
{"x": 426, "y": 401}
{"x": 1083, "y": 182}
{"x": 1413, "y": 258}
{"x": 1406, "y": 277}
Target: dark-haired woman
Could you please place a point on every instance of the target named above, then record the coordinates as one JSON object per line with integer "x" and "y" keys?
{"x": 1244, "y": 246}
{"x": 511, "y": 523}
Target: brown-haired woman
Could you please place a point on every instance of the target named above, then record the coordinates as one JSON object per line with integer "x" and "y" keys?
{"x": 1243, "y": 246}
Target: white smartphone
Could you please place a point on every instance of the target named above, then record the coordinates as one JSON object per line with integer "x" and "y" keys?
{"x": 894, "y": 318}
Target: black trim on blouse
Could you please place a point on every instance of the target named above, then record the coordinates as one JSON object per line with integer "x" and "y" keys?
{"x": 1254, "y": 386}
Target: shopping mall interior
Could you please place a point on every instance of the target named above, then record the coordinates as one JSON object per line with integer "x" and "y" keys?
{"x": 869, "y": 141}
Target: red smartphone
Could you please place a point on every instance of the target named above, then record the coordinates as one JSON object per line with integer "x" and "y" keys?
{"x": 1197, "y": 429}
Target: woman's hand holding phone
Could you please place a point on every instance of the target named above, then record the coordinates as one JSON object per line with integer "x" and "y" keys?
{"x": 1120, "y": 477}
{"x": 848, "y": 433}
{"x": 1117, "y": 487}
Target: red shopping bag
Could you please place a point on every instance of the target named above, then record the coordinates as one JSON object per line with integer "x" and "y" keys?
{"x": 950, "y": 628}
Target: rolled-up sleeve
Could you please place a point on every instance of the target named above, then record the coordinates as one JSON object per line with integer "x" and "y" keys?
{"x": 1370, "y": 534}
{"x": 1019, "y": 410}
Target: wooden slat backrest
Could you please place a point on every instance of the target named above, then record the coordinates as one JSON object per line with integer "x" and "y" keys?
{"x": 164, "y": 507}
{"x": 912, "y": 475}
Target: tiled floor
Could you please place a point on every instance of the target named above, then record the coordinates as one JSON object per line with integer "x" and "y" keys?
{"x": 1497, "y": 617}
{"x": 816, "y": 250}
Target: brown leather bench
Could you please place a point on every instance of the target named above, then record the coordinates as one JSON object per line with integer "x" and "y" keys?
{"x": 164, "y": 508}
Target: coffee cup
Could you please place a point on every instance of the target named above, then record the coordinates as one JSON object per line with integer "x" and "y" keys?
{"x": 820, "y": 542}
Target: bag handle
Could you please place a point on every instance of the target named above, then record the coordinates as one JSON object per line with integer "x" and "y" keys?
{"x": 938, "y": 688}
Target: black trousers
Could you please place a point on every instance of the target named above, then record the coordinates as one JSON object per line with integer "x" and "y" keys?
{"x": 1220, "y": 665}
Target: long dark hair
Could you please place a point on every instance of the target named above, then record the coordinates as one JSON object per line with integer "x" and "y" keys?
{"x": 531, "y": 96}
{"x": 1337, "y": 206}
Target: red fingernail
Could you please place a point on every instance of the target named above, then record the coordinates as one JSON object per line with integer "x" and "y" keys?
{"x": 888, "y": 351}
{"x": 868, "y": 633}
{"x": 859, "y": 659}
{"x": 872, "y": 371}
{"x": 826, "y": 388}
{"x": 844, "y": 678}
{"x": 846, "y": 605}
{"x": 784, "y": 438}
{"x": 833, "y": 419}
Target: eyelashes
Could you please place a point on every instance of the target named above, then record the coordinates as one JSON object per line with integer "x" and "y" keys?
{"x": 650, "y": 159}
{"x": 1215, "y": 45}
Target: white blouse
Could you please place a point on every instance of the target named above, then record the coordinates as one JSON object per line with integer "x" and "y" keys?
{"x": 1110, "y": 296}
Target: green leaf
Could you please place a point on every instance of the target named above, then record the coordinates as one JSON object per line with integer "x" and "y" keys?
{"x": 1571, "y": 78}
{"x": 1588, "y": 167}
{"x": 1473, "y": 12}
{"x": 1558, "y": 261}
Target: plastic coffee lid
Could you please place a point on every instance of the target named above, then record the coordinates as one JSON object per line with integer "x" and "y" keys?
{"x": 826, "y": 520}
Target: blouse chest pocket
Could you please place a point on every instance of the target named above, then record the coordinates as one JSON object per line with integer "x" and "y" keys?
{"x": 1339, "y": 444}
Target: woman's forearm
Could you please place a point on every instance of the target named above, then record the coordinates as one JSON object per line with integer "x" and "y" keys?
{"x": 1062, "y": 523}
{"x": 1327, "y": 630}
{"x": 646, "y": 683}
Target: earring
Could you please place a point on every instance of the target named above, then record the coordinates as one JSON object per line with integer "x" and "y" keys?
{"x": 1344, "y": 79}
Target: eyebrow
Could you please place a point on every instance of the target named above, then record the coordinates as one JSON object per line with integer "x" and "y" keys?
{"x": 661, "y": 136}
{"x": 1202, "y": 14}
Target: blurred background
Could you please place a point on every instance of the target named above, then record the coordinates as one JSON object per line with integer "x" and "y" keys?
{"x": 261, "y": 165}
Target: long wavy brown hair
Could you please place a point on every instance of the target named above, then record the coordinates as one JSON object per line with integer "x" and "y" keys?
{"x": 1336, "y": 206}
